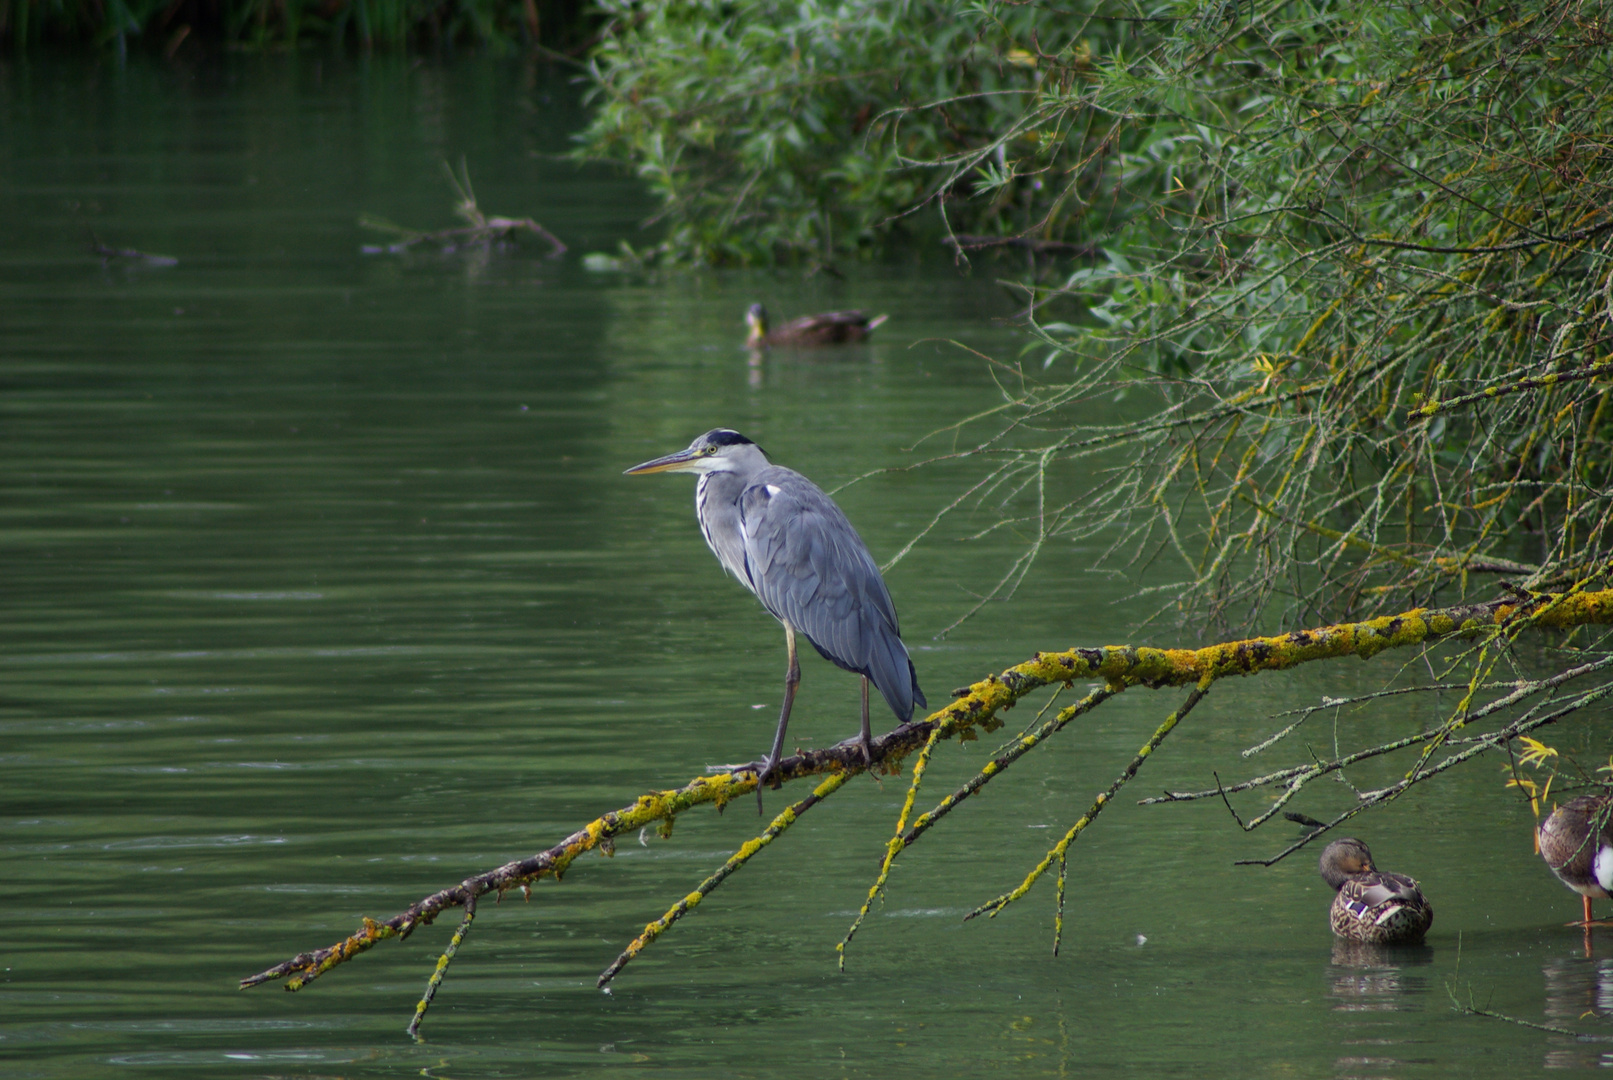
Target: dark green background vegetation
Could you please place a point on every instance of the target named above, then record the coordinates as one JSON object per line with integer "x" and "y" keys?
{"x": 166, "y": 25}
{"x": 778, "y": 128}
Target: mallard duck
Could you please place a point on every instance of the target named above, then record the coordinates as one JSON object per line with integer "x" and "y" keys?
{"x": 1372, "y": 905}
{"x": 1576, "y": 840}
{"x": 830, "y": 328}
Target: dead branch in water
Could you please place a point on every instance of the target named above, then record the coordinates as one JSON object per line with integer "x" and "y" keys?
{"x": 109, "y": 254}
{"x": 1112, "y": 669}
{"x": 480, "y": 229}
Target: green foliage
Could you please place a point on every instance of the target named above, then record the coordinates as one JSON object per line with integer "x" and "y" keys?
{"x": 1367, "y": 284}
{"x": 812, "y": 126}
{"x": 269, "y": 23}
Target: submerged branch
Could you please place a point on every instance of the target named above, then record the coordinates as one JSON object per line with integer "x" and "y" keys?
{"x": 1472, "y": 1009}
{"x": 491, "y": 230}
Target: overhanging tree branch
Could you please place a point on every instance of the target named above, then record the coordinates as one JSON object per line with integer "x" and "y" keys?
{"x": 1116, "y": 668}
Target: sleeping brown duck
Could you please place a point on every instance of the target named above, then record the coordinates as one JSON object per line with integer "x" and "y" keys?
{"x": 1372, "y": 905}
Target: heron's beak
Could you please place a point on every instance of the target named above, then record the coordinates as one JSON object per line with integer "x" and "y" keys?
{"x": 682, "y": 461}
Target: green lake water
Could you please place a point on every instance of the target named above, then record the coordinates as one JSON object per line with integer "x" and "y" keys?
{"x": 321, "y": 589}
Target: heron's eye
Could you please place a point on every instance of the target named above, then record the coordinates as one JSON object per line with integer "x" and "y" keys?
{"x": 709, "y": 450}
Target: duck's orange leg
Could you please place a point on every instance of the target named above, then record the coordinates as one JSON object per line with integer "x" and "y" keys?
{"x": 1587, "y": 922}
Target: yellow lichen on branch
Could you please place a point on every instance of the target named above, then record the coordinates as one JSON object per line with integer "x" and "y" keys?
{"x": 658, "y": 806}
{"x": 1114, "y": 668}
{"x": 1122, "y": 666}
{"x": 746, "y": 851}
{"x": 1601, "y": 366}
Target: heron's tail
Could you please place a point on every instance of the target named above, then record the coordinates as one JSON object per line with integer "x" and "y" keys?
{"x": 891, "y": 671}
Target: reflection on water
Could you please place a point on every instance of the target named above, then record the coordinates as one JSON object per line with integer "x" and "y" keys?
{"x": 1579, "y": 992}
{"x": 1377, "y": 978}
{"x": 1371, "y": 979}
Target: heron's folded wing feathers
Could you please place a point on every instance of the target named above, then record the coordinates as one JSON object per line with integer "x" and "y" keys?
{"x": 811, "y": 569}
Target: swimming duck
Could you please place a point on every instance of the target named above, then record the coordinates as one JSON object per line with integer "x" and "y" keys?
{"x": 1576, "y": 841}
{"x": 830, "y": 328}
{"x": 1372, "y": 905}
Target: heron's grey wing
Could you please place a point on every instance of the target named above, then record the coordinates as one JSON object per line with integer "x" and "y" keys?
{"x": 811, "y": 569}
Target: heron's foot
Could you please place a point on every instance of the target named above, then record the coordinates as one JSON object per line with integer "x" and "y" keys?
{"x": 856, "y": 742}
{"x": 1587, "y": 924}
{"x": 766, "y": 771}
{"x": 763, "y": 774}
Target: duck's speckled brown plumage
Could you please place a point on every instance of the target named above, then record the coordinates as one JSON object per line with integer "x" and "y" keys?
{"x": 1372, "y": 905}
{"x": 1576, "y": 840}
{"x": 810, "y": 331}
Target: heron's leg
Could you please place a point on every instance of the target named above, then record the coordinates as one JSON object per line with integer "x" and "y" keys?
{"x": 792, "y": 679}
{"x": 868, "y": 735}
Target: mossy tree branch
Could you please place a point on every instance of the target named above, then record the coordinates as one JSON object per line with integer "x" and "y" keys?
{"x": 1115, "y": 668}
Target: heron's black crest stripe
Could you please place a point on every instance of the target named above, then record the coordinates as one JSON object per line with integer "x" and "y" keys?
{"x": 725, "y": 437}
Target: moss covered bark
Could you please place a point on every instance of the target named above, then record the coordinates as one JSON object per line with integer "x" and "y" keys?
{"x": 1115, "y": 668}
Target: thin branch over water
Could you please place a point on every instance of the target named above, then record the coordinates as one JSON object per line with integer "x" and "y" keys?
{"x": 1113, "y": 669}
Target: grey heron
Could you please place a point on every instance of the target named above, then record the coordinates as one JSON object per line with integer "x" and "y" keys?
{"x": 787, "y": 542}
